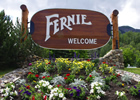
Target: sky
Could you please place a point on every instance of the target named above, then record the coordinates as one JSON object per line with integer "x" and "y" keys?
{"x": 129, "y": 10}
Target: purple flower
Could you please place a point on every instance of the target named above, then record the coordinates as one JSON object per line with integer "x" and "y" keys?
{"x": 27, "y": 92}
{"x": 139, "y": 90}
{"x": 20, "y": 92}
{"x": 135, "y": 87}
{"x": 30, "y": 64}
{"x": 74, "y": 55}
{"x": 71, "y": 94}
{"x": 78, "y": 93}
{"x": 104, "y": 77}
{"x": 74, "y": 87}
{"x": 78, "y": 90}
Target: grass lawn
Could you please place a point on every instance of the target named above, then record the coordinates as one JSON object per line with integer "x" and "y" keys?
{"x": 133, "y": 70}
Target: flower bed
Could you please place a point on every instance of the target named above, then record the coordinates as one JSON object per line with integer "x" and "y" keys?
{"x": 63, "y": 79}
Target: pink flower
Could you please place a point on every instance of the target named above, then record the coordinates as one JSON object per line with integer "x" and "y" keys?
{"x": 30, "y": 64}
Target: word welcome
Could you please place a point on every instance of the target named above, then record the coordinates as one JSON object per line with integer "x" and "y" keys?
{"x": 64, "y": 22}
{"x": 82, "y": 41}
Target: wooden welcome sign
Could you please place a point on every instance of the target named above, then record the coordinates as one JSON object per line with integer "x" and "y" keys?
{"x": 70, "y": 29}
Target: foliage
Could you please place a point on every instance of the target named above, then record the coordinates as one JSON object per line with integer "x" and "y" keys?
{"x": 126, "y": 78}
{"x": 21, "y": 81}
{"x": 26, "y": 91}
{"x": 90, "y": 78}
{"x": 78, "y": 92}
{"x": 121, "y": 95}
{"x": 107, "y": 80}
{"x": 44, "y": 86}
{"x": 36, "y": 96}
{"x": 69, "y": 78}
{"x": 62, "y": 64}
{"x": 58, "y": 93}
{"x": 44, "y": 74}
{"x": 94, "y": 73}
{"x": 96, "y": 92}
{"x": 135, "y": 90}
{"x": 32, "y": 77}
{"x": 104, "y": 68}
{"x": 78, "y": 82}
{"x": 58, "y": 80}
{"x": 8, "y": 92}
{"x": 129, "y": 55}
{"x": 99, "y": 80}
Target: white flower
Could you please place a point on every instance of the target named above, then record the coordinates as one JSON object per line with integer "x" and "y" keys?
{"x": 55, "y": 89}
{"x": 122, "y": 93}
{"x": 98, "y": 97}
{"x": 64, "y": 98}
{"x": 5, "y": 95}
{"x": 56, "y": 94}
{"x": 47, "y": 83}
{"x": 50, "y": 97}
{"x": 103, "y": 92}
{"x": 91, "y": 91}
{"x": 16, "y": 92}
{"x": 99, "y": 88}
{"x": 50, "y": 86}
{"x": 11, "y": 98}
{"x": 11, "y": 93}
{"x": 92, "y": 84}
{"x": 7, "y": 89}
{"x": 98, "y": 91}
{"x": 61, "y": 95}
{"x": 101, "y": 83}
{"x": 37, "y": 86}
{"x": 13, "y": 86}
{"x": 44, "y": 84}
{"x": 117, "y": 92}
{"x": 1, "y": 90}
{"x": 39, "y": 91}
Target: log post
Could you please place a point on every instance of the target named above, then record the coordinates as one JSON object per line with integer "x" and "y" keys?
{"x": 115, "y": 40}
{"x": 24, "y": 25}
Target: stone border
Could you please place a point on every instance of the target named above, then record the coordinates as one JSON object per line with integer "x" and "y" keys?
{"x": 136, "y": 77}
{"x": 16, "y": 74}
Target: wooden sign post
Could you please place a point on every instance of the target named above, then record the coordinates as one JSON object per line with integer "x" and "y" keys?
{"x": 115, "y": 40}
{"x": 24, "y": 25}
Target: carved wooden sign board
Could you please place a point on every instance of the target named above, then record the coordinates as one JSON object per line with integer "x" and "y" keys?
{"x": 70, "y": 29}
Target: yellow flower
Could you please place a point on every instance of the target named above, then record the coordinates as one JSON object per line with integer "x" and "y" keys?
{"x": 34, "y": 81}
{"x": 122, "y": 84}
{"x": 69, "y": 69}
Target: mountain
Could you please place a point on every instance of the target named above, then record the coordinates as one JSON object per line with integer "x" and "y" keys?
{"x": 124, "y": 29}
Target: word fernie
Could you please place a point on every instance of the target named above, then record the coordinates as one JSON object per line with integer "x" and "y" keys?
{"x": 64, "y": 22}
